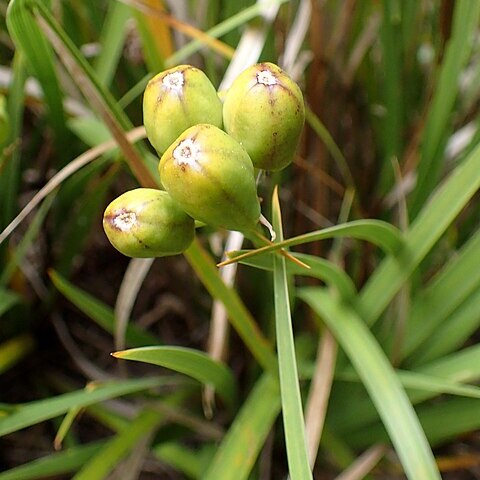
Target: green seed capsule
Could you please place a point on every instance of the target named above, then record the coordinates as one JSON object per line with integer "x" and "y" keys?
{"x": 147, "y": 223}
{"x": 211, "y": 176}
{"x": 264, "y": 111}
{"x": 175, "y": 100}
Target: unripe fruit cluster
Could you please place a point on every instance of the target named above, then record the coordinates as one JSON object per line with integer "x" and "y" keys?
{"x": 209, "y": 152}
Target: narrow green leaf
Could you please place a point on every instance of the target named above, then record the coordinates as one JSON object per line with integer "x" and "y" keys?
{"x": 458, "y": 417}
{"x": 431, "y": 223}
{"x": 10, "y": 162}
{"x": 412, "y": 380}
{"x": 7, "y": 300}
{"x": 380, "y": 380}
{"x": 238, "y": 315}
{"x": 457, "y": 368}
{"x": 40, "y": 410}
{"x": 28, "y": 37}
{"x": 393, "y": 89}
{"x": 239, "y": 449}
{"x": 110, "y": 455}
{"x": 462, "y": 366}
{"x": 380, "y": 233}
{"x": 101, "y": 314}
{"x": 188, "y": 361}
{"x": 320, "y": 268}
{"x": 111, "y": 40}
{"x": 185, "y": 460}
{"x": 459, "y": 47}
{"x": 420, "y": 381}
{"x": 61, "y": 463}
{"x": 98, "y": 96}
{"x": 25, "y": 243}
{"x": 453, "y": 333}
{"x": 293, "y": 421}
{"x": 322, "y": 133}
{"x": 13, "y": 350}
{"x": 218, "y": 30}
{"x": 459, "y": 279}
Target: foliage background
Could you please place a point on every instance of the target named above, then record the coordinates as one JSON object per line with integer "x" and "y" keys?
{"x": 392, "y": 95}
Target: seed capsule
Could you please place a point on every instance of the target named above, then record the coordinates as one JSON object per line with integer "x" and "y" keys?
{"x": 175, "y": 100}
{"x": 211, "y": 176}
{"x": 147, "y": 223}
{"x": 264, "y": 111}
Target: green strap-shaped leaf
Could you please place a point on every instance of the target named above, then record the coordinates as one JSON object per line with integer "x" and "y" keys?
{"x": 7, "y": 300}
{"x": 38, "y": 411}
{"x": 441, "y": 422}
{"x": 380, "y": 233}
{"x": 239, "y": 449}
{"x": 320, "y": 268}
{"x": 459, "y": 48}
{"x": 28, "y": 37}
{"x": 100, "y": 313}
{"x": 459, "y": 279}
{"x": 293, "y": 421}
{"x": 60, "y": 463}
{"x": 14, "y": 349}
{"x": 112, "y": 39}
{"x": 238, "y": 315}
{"x": 412, "y": 380}
{"x": 379, "y": 378}
{"x": 110, "y": 455}
{"x": 430, "y": 224}
{"x": 193, "y": 363}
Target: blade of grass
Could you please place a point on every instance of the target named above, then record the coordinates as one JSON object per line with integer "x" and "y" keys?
{"x": 188, "y": 361}
{"x": 10, "y": 170}
{"x": 116, "y": 449}
{"x": 99, "y": 312}
{"x": 322, "y": 133}
{"x": 185, "y": 460}
{"x": 132, "y": 281}
{"x": 85, "y": 208}
{"x": 40, "y": 410}
{"x": 430, "y": 224}
{"x": 458, "y": 417}
{"x": 65, "y": 426}
{"x": 13, "y": 350}
{"x": 28, "y": 37}
{"x": 457, "y": 368}
{"x": 7, "y": 300}
{"x": 160, "y": 37}
{"x": 219, "y": 30}
{"x": 293, "y": 420}
{"x": 239, "y": 316}
{"x": 82, "y": 73}
{"x": 61, "y": 463}
{"x": 459, "y": 279}
{"x": 392, "y": 86}
{"x": 459, "y": 47}
{"x": 320, "y": 268}
{"x": 412, "y": 380}
{"x": 21, "y": 249}
{"x": 111, "y": 40}
{"x": 241, "y": 445}
{"x": 377, "y": 232}
{"x": 454, "y": 332}
{"x": 380, "y": 380}
{"x": 202, "y": 38}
